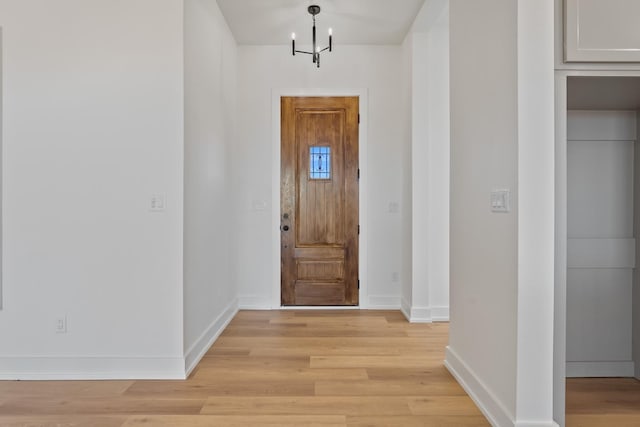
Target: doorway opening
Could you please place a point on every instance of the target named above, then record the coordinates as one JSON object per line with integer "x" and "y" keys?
{"x": 600, "y": 126}
{"x": 361, "y": 95}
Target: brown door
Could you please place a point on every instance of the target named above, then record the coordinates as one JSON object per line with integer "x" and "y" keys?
{"x": 319, "y": 201}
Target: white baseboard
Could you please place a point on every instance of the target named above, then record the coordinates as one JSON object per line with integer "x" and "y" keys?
{"x": 405, "y": 308}
{"x": 487, "y": 402}
{"x": 424, "y": 314}
{"x": 248, "y": 302}
{"x": 317, "y": 307}
{"x": 420, "y": 315}
{"x": 600, "y": 369}
{"x": 440, "y": 314}
{"x": 47, "y": 368}
{"x": 383, "y": 302}
{"x": 536, "y": 424}
{"x": 375, "y": 302}
{"x": 197, "y": 351}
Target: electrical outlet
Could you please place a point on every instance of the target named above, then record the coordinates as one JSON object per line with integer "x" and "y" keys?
{"x": 61, "y": 325}
{"x": 259, "y": 205}
{"x": 395, "y": 277}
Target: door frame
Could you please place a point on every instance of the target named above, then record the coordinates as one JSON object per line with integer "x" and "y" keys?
{"x": 276, "y": 95}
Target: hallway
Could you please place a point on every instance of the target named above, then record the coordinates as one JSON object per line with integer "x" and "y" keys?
{"x": 285, "y": 368}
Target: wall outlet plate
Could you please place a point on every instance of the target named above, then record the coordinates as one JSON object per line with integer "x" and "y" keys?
{"x": 500, "y": 200}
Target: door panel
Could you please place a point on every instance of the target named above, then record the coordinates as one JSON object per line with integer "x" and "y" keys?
{"x": 319, "y": 194}
{"x": 320, "y": 202}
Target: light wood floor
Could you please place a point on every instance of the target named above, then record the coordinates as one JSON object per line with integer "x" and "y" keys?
{"x": 603, "y": 402}
{"x": 284, "y": 368}
{"x": 300, "y": 368}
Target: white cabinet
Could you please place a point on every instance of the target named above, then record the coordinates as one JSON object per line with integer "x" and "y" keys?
{"x": 602, "y": 31}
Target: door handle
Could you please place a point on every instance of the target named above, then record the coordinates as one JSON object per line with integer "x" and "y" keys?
{"x": 284, "y": 228}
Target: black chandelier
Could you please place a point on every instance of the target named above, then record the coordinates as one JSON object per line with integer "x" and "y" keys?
{"x": 315, "y": 51}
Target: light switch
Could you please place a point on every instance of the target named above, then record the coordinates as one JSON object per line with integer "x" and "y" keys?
{"x": 157, "y": 203}
{"x": 61, "y": 324}
{"x": 500, "y": 201}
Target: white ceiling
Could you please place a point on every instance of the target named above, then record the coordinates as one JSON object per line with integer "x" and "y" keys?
{"x": 271, "y": 22}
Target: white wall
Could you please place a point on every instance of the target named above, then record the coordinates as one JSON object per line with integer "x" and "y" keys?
{"x": 560, "y": 274}
{"x": 429, "y": 230}
{"x": 439, "y": 137}
{"x": 375, "y": 69}
{"x": 210, "y": 118}
{"x": 93, "y": 126}
{"x": 536, "y": 213}
{"x": 502, "y": 136}
{"x": 408, "y": 228}
{"x": 484, "y": 156}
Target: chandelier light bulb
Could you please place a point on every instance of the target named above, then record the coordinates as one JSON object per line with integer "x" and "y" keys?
{"x": 293, "y": 36}
{"x": 330, "y": 31}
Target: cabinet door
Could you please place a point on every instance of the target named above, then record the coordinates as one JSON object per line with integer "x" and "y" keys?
{"x": 602, "y": 31}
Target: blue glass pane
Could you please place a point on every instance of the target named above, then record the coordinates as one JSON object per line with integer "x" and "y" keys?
{"x": 320, "y": 162}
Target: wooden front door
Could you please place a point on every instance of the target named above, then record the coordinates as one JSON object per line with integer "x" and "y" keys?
{"x": 319, "y": 201}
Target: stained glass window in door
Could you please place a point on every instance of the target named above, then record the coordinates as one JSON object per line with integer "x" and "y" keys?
{"x": 320, "y": 162}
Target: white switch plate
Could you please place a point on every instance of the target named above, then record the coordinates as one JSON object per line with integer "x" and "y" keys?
{"x": 157, "y": 203}
{"x": 501, "y": 201}
{"x": 61, "y": 325}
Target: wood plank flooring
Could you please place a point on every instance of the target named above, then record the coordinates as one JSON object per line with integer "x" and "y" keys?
{"x": 351, "y": 368}
{"x": 302, "y": 368}
{"x": 603, "y": 402}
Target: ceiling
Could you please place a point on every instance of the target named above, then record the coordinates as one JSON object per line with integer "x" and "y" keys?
{"x": 271, "y": 22}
